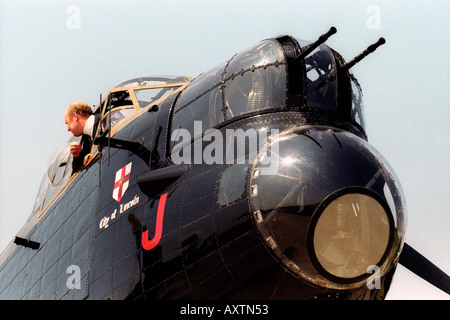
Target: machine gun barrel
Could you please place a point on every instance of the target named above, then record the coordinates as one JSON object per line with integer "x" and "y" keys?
{"x": 317, "y": 43}
{"x": 365, "y": 53}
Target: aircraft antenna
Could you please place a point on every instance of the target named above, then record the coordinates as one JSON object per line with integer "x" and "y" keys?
{"x": 365, "y": 53}
{"x": 109, "y": 132}
{"x": 100, "y": 147}
{"x": 317, "y": 43}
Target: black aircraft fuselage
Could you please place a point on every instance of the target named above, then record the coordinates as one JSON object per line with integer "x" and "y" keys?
{"x": 254, "y": 180}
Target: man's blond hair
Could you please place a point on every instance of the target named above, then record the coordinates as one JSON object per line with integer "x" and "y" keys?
{"x": 80, "y": 108}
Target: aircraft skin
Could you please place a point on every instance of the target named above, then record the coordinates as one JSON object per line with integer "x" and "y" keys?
{"x": 134, "y": 224}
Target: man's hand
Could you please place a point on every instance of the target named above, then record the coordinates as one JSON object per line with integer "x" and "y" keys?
{"x": 75, "y": 149}
{"x": 86, "y": 159}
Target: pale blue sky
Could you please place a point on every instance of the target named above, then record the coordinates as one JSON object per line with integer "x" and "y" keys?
{"x": 54, "y": 52}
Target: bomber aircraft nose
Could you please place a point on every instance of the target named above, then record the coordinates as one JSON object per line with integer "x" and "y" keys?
{"x": 330, "y": 208}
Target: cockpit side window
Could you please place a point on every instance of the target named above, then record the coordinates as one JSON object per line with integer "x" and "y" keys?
{"x": 59, "y": 170}
{"x": 39, "y": 202}
{"x": 148, "y": 95}
{"x": 59, "y": 166}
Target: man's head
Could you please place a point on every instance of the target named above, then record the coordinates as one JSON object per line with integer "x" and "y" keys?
{"x": 75, "y": 117}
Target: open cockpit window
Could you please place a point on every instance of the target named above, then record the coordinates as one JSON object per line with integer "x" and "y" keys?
{"x": 119, "y": 105}
{"x": 119, "y": 99}
{"x": 136, "y": 94}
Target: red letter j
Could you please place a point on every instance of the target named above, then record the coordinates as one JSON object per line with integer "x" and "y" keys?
{"x": 150, "y": 244}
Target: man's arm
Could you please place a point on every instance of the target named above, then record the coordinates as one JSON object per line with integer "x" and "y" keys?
{"x": 80, "y": 151}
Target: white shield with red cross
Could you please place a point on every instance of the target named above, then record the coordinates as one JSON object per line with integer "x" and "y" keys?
{"x": 121, "y": 182}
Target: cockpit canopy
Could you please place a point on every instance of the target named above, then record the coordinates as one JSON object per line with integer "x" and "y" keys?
{"x": 153, "y": 81}
{"x": 266, "y": 77}
{"x": 136, "y": 94}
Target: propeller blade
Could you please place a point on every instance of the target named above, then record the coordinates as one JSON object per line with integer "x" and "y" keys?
{"x": 421, "y": 266}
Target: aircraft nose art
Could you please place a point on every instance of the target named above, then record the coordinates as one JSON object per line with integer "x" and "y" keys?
{"x": 332, "y": 211}
{"x": 121, "y": 182}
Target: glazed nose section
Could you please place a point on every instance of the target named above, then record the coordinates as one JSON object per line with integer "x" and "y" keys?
{"x": 328, "y": 205}
{"x": 350, "y": 233}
